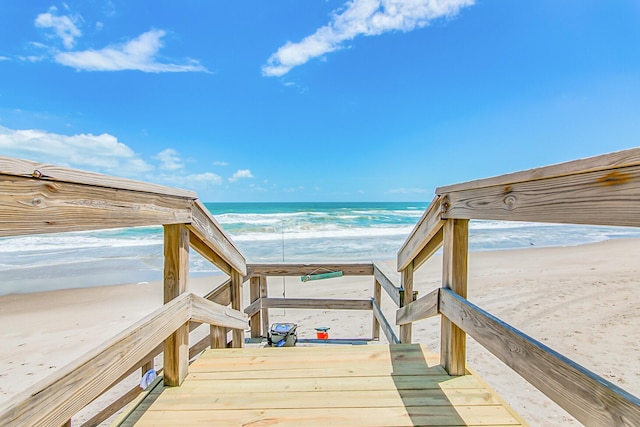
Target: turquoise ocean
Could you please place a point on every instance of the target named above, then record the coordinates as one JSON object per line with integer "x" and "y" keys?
{"x": 264, "y": 232}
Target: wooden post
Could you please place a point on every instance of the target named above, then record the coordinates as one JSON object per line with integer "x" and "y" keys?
{"x": 147, "y": 366}
{"x": 254, "y": 295}
{"x": 377, "y": 295}
{"x": 264, "y": 293}
{"x": 236, "y": 304}
{"x": 407, "y": 298}
{"x": 453, "y": 345}
{"x": 218, "y": 337}
{"x": 176, "y": 274}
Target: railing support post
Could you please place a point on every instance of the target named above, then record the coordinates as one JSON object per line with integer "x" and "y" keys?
{"x": 254, "y": 295}
{"x": 236, "y": 304}
{"x": 377, "y": 295}
{"x": 455, "y": 259}
{"x": 407, "y": 298}
{"x": 264, "y": 293}
{"x": 176, "y": 274}
{"x": 217, "y": 337}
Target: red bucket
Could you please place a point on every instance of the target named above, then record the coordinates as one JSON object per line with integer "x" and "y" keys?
{"x": 322, "y": 333}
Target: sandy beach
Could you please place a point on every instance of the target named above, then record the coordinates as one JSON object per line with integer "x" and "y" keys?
{"x": 582, "y": 301}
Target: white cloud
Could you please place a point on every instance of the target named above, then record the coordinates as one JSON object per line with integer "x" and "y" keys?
{"x": 169, "y": 160}
{"x": 63, "y": 26}
{"x": 100, "y": 153}
{"x": 407, "y": 191}
{"x": 197, "y": 180}
{"x": 138, "y": 54}
{"x": 240, "y": 174}
{"x": 360, "y": 18}
{"x": 219, "y": 163}
{"x": 4, "y": 58}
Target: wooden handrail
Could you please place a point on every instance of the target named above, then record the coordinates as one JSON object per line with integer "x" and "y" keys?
{"x": 428, "y": 226}
{"x": 423, "y": 308}
{"x": 302, "y": 269}
{"x": 57, "y": 398}
{"x": 388, "y": 280}
{"x": 389, "y": 333}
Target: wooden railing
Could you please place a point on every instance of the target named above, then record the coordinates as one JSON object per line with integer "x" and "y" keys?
{"x": 258, "y": 309}
{"x": 38, "y": 198}
{"x": 603, "y": 190}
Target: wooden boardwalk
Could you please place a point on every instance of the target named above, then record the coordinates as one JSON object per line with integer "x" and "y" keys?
{"x": 366, "y": 385}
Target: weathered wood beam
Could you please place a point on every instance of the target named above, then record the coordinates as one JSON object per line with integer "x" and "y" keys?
{"x": 176, "y": 276}
{"x": 281, "y": 269}
{"x": 389, "y": 280}
{"x": 608, "y": 161}
{"x": 429, "y": 250}
{"x": 591, "y": 399}
{"x": 254, "y": 295}
{"x": 60, "y": 396}
{"x": 453, "y": 340}
{"x": 211, "y": 234}
{"x": 407, "y": 288}
{"x": 47, "y": 172}
{"x": 221, "y": 295}
{"x": 208, "y": 253}
{"x": 33, "y": 206}
{"x": 423, "y": 308}
{"x": 377, "y": 296}
{"x": 253, "y": 308}
{"x": 264, "y": 293}
{"x": 384, "y": 324}
{"x": 236, "y": 304}
{"x": 427, "y": 227}
{"x": 317, "y": 303}
{"x": 607, "y": 197}
{"x": 205, "y": 311}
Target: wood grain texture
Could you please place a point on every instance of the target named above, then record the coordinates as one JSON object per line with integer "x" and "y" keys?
{"x": 208, "y": 253}
{"x": 236, "y": 304}
{"x": 455, "y": 260}
{"x": 221, "y": 295}
{"x": 426, "y": 228}
{"x": 47, "y": 172}
{"x": 176, "y": 276}
{"x": 218, "y": 337}
{"x": 264, "y": 293}
{"x": 294, "y": 269}
{"x": 609, "y": 161}
{"x": 389, "y": 333}
{"x": 317, "y": 303}
{"x": 254, "y": 295}
{"x": 205, "y": 311}
{"x": 113, "y": 408}
{"x": 389, "y": 280}
{"x": 32, "y": 206}
{"x": 377, "y": 296}
{"x": 407, "y": 288}
{"x": 423, "y": 308}
{"x": 590, "y": 398}
{"x": 608, "y": 197}
{"x": 58, "y": 397}
{"x": 204, "y": 225}
{"x": 429, "y": 250}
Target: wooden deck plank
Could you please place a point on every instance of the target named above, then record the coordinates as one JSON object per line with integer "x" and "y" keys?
{"x": 375, "y": 385}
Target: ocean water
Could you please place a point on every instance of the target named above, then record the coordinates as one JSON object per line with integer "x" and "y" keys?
{"x": 264, "y": 232}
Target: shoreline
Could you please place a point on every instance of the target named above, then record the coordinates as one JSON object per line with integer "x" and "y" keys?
{"x": 583, "y": 301}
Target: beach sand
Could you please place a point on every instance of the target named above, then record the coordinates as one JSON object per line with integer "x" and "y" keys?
{"x": 583, "y": 302}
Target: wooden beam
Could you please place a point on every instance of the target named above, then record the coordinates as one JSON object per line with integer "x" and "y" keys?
{"x": 207, "y": 253}
{"x": 281, "y": 269}
{"x": 205, "y": 311}
{"x": 407, "y": 287}
{"x": 57, "y": 398}
{"x": 427, "y": 227}
{"x": 254, "y": 295}
{"x": 47, "y": 172}
{"x": 236, "y": 304}
{"x": 429, "y": 250}
{"x": 591, "y": 399}
{"x": 264, "y": 293}
{"x": 425, "y": 307}
{"x": 377, "y": 296}
{"x": 317, "y": 303}
{"x": 218, "y": 337}
{"x": 33, "y": 206}
{"x": 384, "y": 324}
{"x": 389, "y": 280}
{"x": 606, "y": 197}
{"x": 453, "y": 340}
{"x": 221, "y": 295}
{"x": 609, "y": 161}
{"x": 253, "y": 308}
{"x": 204, "y": 225}
{"x": 113, "y": 408}
{"x": 176, "y": 275}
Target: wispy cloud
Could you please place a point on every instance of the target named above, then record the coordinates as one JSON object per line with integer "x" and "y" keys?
{"x": 64, "y": 27}
{"x": 219, "y": 163}
{"x": 139, "y": 54}
{"x": 100, "y": 153}
{"x": 4, "y": 58}
{"x": 407, "y": 191}
{"x": 241, "y": 174}
{"x": 360, "y": 18}
{"x": 169, "y": 160}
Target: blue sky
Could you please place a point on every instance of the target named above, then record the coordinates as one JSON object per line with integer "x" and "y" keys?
{"x": 327, "y": 100}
